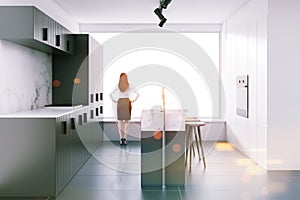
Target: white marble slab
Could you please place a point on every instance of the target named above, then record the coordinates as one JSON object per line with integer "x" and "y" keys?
{"x": 170, "y": 120}
{"x": 152, "y": 120}
{"x": 25, "y": 78}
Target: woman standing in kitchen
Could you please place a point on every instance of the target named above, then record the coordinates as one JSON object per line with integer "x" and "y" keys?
{"x": 124, "y": 95}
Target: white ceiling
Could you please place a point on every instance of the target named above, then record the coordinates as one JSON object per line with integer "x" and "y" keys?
{"x": 141, "y": 11}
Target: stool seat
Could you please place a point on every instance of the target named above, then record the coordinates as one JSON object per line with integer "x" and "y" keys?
{"x": 193, "y": 125}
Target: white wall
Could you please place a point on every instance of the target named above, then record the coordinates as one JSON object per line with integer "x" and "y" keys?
{"x": 283, "y": 76}
{"x": 262, "y": 40}
{"x": 25, "y": 78}
{"x": 50, "y": 8}
{"x": 244, "y": 43}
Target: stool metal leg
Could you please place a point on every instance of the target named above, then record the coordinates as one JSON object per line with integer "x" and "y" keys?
{"x": 192, "y": 144}
{"x": 197, "y": 144}
{"x": 187, "y": 145}
{"x": 191, "y": 149}
{"x": 200, "y": 139}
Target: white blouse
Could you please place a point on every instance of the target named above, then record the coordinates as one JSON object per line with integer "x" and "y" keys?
{"x": 130, "y": 93}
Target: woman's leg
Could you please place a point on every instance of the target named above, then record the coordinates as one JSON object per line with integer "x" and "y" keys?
{"x": 120, "y": 128}
{"x": 126, "y": 129}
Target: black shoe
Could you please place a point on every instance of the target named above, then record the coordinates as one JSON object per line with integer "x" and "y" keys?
{"x": 124, "y": 141}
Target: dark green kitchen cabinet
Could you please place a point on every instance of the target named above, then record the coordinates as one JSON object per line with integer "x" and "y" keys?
{"x": 30, "y": 27}
{"x": 28, "y": 157}
{"x": 151, "y": 159}
{"x": 71, "y": 152}
{"x": 40, "y": 155}
{"x": 79, "y": 76}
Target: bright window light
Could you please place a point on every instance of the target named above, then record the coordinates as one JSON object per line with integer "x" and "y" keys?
{"x": 150, "y": 92}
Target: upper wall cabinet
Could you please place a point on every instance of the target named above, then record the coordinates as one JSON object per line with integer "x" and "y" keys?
{"x": 77, "y": 78}
{"x": 28, "y": 26}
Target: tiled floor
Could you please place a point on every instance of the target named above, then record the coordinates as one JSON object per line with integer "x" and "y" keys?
{"x": 114, "y": 173}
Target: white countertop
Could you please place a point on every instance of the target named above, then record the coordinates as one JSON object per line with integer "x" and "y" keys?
{"x": 54, "y": 112}
{"x": 46, "y": 112}
{"x": 114, "y": 119}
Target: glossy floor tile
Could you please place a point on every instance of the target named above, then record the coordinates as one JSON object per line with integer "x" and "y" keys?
{"x": 113, "y": 173}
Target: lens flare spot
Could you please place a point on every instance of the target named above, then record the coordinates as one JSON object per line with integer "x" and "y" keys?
{"x": 246, "y": 178}
{"x": 157, "y": 135}
{"x": 255, "y": 170}
{"x": 244, "y": 162}
{"x": 278, "y": 187}
{"x": 274, "y": 162}
{"x": 76, "y": 80}
{"x": 56, "y": 83}
{"x": 176, "y": 148}
{"x": 245, "y": 196}
{"x": 256, "y": 150}
{"x": 224, "y": 146}
{"x": 264, "y": 191}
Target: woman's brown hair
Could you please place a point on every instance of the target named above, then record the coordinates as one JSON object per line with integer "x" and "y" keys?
{"x": 123, "y": 82}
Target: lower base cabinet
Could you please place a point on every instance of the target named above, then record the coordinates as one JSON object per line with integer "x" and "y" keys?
{"x": 71, "y": 153}
{"x": 76, "y": 138}
{"x": 39, "y": 156}
{"x": 28, "y": 157}
{"x": 152, "y": 159}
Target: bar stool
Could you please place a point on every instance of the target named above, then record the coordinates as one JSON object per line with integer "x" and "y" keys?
{"x": 193, "y": 126}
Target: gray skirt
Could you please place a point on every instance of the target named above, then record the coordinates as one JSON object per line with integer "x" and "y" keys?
{"x": 124, "y": 109}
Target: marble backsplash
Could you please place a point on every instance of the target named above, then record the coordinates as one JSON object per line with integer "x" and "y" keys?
{"x": 25, "y": 78}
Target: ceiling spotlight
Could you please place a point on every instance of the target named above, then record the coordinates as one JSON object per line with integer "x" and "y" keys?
{"x": 158, "y": 11}
{"x": 164, "y": 3}
{"x": 163, "y": 20}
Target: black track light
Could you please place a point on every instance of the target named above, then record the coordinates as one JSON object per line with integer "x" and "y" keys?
{"x": 158, "y": 11}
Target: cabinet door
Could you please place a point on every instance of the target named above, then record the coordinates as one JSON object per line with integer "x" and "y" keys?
{"x": 95, "y": 71}
{"x": 92, "y": 60}
{"x": 69, "y": 43}
{"x": 151, "y": 159}
{"x": 78, "y": 149}
{"x": 63, "y": 153}
{"x": 69, "y": 144}
{"x": 46, "y": 29}
{"x": 59, "y": 145}
{"x": 58, "y": 35}
{"x": 51, "y": 31}
{"x": 28, "y": 26}
{"x": 63, "y": 38}
{"x": 38, "y": 24}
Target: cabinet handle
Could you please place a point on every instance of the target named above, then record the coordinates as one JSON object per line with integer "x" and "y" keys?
{"x": 101, "y": 96}
{"x": 85, "y": 117}
{"x": 80, "y": 119}
{"x": 92, "y": 114}
{"x": 92, "y": 98}
{"x": 45, "y": 34}
{"x": 73, "y": 123}
{"x": 68, "y": 45}
{"x": 101, "y": 109}
{"x": 64, "y": 127}
{"x": 57, "y": 40}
